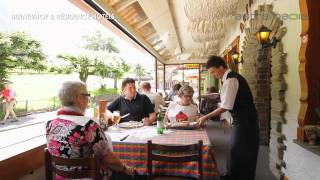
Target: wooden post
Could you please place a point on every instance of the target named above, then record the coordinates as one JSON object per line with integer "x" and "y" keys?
{"x": 3, "y": 108}
{"x": 308, "y": 67}
{"x": 26, "y": 105}
{"x": 156, "y": 74}
{"x": 199, "y": 84}
{"x": 182, "y": 75}
{"x": 102, "y": 108}
{"x": 164, "y": 77}
{"x": 54, "y": 102}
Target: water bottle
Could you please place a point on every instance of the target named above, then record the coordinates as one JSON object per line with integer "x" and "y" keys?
{"x": 160, "y": 124}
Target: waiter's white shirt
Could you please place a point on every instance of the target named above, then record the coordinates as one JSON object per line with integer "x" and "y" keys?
{"x": 229, "y": 91}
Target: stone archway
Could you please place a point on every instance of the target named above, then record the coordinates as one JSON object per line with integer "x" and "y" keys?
{"x": 264, "y": 69}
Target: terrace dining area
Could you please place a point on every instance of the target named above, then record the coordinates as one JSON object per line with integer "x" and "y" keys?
{"x": 234, "y": 94}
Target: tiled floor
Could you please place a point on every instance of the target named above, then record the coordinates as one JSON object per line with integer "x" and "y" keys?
{"x": 220, "y": 145}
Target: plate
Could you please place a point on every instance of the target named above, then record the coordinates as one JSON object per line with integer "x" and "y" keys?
{"x": 131, "y": 124}
{"x": 183, "y": 125}
{"x": 216, "y": 94}
{"x": 213, "y": 95}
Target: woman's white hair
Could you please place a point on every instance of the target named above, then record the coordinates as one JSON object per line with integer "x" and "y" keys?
{"x": 186, "y": 89}
{"x": 69, "y": 91}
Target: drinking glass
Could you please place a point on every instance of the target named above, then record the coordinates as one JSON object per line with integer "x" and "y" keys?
{"x": 116, "y": 118}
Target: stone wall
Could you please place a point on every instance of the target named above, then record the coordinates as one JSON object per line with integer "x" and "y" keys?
{"x": 300, "y": 164}
{"x": 264, "y": 69}
{"x": 262, "y": 96}
{"x": 278, "y": 109}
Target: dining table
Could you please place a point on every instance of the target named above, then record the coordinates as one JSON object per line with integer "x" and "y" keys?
{"x": 130, "y": 145}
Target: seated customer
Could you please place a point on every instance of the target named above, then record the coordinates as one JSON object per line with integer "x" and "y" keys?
{"x": 138, "y": 106}
{"x": 72, "y": 135}
{"x": 156, "y": 99}
{"x": 183, "y": 109}
{"x": 210, "y": 102}
{"x": 173, "y": 94}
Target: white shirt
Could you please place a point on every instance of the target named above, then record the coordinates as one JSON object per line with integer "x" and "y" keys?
{"x": 176, "y": 98}
{"x": 174, "y": 108}
{"x": 229, "y": 91}
{"x": 155, "y": 99}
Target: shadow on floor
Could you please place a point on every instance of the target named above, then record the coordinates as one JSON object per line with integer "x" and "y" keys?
{"x": 220, "y": 140}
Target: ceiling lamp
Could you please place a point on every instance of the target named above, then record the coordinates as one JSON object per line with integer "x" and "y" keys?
{"x": 208, "y": 19}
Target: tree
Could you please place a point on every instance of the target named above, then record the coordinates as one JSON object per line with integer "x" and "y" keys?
{"x": 82, "y": 64}
{"x": 99, "y": 43}
{"x": 3, "y": 75}
{"x": 19, "y": 50}
{"x": 101, "y": 59}
{"x": 139, "y": 72}
{"x": 115, "y": 70}
{"x": 114, "y": 66}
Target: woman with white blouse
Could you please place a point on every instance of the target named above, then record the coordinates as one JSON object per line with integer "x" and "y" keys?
{"x": 183, "y": 109}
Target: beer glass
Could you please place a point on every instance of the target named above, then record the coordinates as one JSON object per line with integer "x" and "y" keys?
{"x": 116, "y": 118}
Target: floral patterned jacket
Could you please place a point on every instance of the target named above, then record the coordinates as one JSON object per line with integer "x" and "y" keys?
{"x": 72, "y": 135}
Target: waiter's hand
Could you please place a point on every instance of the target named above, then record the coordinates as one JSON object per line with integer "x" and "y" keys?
{"x": 202, "y": 121}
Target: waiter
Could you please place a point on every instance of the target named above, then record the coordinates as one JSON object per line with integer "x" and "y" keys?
{"x": 236, "y": 98}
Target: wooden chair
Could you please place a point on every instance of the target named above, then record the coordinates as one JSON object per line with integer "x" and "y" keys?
{"x": 186, "y": 153}
{"x": 91, "y": 167}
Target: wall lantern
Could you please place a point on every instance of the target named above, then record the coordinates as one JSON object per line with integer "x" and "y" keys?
{"x": 263, "y": 36}
{"x": 235, "y": 57}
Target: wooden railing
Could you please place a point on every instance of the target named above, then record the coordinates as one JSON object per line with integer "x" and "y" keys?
{"x": 23, "y": 163}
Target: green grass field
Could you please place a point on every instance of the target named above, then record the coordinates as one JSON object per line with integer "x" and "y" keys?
{"x": 39, "y": 91}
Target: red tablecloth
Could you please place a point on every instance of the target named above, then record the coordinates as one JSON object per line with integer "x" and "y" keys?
{"x": 135, "y": 154}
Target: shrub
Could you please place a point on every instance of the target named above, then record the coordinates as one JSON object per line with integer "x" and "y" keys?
{"x": 105, "y": 91}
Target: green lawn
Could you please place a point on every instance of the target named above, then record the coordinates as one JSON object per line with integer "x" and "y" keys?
{"x": 39, "y": 91}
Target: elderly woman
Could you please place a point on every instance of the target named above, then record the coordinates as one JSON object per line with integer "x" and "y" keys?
{"x": 183, "y": 109}
{"x": 72, "y": 135}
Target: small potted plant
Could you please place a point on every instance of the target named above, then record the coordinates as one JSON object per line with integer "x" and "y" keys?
{"x": 317, "y": 110}
{"x": 318, "y": 133}
{"x": 311, "y": 132}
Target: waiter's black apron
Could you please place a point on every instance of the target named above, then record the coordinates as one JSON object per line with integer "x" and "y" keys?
{"x": 244, "y": 140}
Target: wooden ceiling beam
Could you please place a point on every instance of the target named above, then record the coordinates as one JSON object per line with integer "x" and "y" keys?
{"x": 137, "y": 36}
{"x": 140, "y": 24}
{"x": 123, "y": 5}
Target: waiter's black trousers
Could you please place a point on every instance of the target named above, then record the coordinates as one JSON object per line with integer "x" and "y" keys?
{"x": 244, "y": 147}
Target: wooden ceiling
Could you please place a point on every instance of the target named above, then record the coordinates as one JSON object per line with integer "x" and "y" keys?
{"x": 163, "y": 27}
